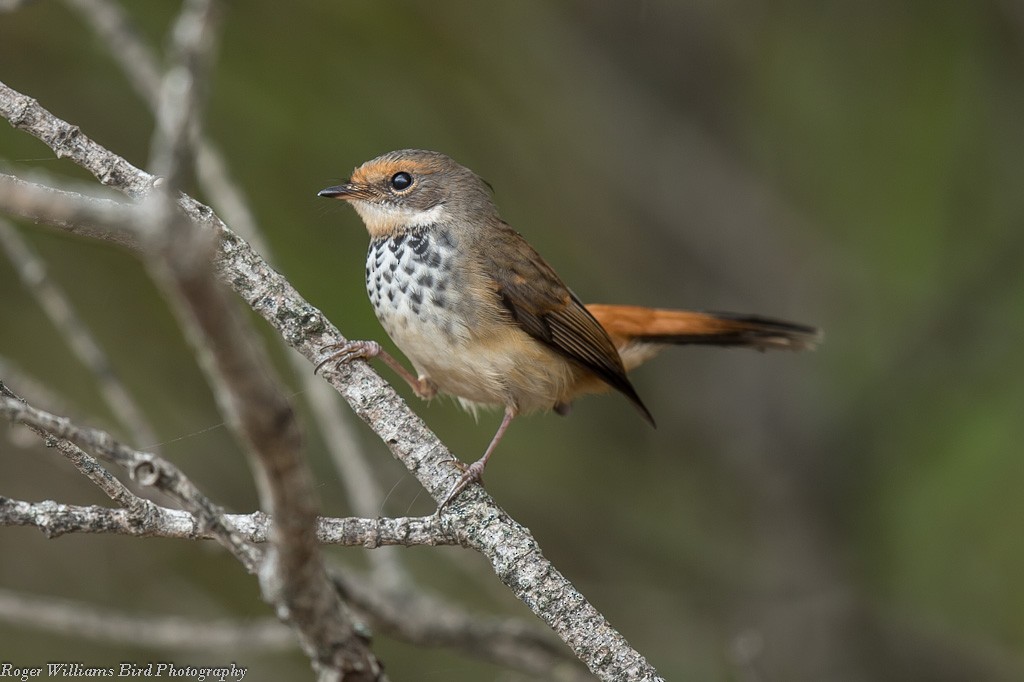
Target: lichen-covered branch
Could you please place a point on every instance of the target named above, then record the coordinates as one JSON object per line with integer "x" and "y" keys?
{"x": 148, "y": 469}
{"x": 55, "y": 519}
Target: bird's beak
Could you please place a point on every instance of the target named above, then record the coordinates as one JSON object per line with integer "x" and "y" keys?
{"x": 346, "y": 191}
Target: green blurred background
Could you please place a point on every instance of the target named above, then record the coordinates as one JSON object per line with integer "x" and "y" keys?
{"x": 851, "y": 514}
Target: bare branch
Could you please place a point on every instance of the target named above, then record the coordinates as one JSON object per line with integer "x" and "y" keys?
{"x": 364, "y": 494}
{"x": 55, "y": 519}
{"x": 67, "y": 141}
{"x": 419, "y": 618}
{"x": 510, "y": 548}
{"x": 104, "y": 480}
{"x": 88, "y": 466}
{"x": 407, "y": 615}
{"x": 182, "y": 89}
{"x": 31, "y": 389}
{"x": 116, "y": 30}
{"x": 150, "y": 470}
{"x": 73, "y": 212}
{"x": 119, "y": 35}
{"x": 160, "y": 632}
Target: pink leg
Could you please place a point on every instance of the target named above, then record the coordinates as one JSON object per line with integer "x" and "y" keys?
{"x": 351, "y": 350}
{"x": 474, "y": 472}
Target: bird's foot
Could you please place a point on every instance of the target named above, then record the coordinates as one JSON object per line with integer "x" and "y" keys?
{"x": 348, "y": 351}
{"x": 471, "y": 473}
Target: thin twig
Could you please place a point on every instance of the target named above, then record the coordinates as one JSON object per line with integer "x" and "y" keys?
{"x": 76, "y": 333}
{"x": 82, "y": 620}
{"x": 419, "y": 618}
{"x": 126, "y": 44}
{"x": 363, "y": 491}
{"x": 72, "y": 212}
{"x": 88, "y": 466}
{"x": 103, "y": 479}
{"x": 32, "y": 389}
{"x": 146, "y": 468}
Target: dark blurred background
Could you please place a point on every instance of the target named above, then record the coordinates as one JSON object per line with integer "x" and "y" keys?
{"x": 851, "y": 514}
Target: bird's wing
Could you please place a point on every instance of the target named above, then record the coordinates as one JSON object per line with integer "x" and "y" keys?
{"x": 547, "y": 310}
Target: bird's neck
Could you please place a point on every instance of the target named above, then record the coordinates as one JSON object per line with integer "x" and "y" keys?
{"x": 383, "y": 220}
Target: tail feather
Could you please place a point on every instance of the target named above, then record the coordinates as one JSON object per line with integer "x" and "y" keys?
{"x": 634, "y": 325}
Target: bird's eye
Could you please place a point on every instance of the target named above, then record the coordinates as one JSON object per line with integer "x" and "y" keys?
{"x": 401, "y": 181}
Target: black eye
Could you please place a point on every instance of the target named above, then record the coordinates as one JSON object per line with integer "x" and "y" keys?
{"x": 401, "y": 181}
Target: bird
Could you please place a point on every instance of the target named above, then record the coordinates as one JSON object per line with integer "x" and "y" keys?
{"x": 484, "y": 318}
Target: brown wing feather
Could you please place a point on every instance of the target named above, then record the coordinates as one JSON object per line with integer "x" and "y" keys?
{"x": 544, "y": 307}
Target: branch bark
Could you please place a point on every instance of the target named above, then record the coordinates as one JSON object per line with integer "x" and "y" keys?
{"x": 55, "y": 519}
{"x": 148, "y": 469}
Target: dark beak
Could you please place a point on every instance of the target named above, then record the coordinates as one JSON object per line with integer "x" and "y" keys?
{"x": 338, "y": 191}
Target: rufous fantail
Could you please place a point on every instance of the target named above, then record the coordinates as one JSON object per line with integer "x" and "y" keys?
{"x": 484, "y": 318}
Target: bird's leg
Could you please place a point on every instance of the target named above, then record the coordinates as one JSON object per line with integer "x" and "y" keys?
{"x": 351, "y": 350}
{"x": 474, "y": 472}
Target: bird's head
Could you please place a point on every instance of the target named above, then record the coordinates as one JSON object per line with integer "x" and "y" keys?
{"x": 413, "y": 189}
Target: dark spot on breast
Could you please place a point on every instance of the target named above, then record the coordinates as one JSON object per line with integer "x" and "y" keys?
{"x": 417, "y": 298}
{"x": 391, "y": 295}
{"x": 419, "y": 244}
{"x": 396, "y": 243}
{"x": 408, "y": 268}
{"x": 425, "y": 280}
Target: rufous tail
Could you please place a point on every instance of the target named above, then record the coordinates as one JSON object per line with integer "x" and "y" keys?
{"x": 639, "y": 333}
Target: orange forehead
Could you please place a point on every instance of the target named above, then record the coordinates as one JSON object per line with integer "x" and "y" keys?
{"x": 375, "y": 170}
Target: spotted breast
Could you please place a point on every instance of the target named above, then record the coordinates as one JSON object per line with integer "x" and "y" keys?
{"x": 414, "y": 290}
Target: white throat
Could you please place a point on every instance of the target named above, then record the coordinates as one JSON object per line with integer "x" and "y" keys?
{"x": 381, "y": 219}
